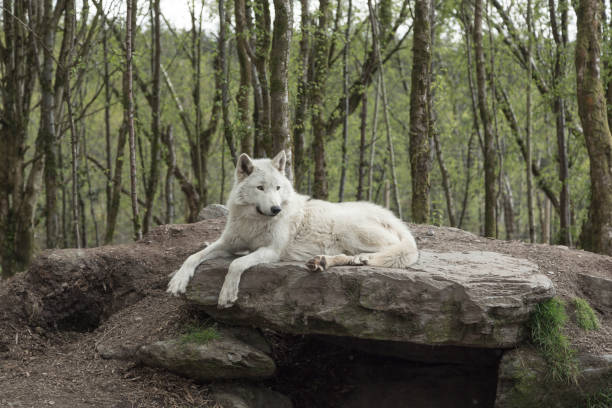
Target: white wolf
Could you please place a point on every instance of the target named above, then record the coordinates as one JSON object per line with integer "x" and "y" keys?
{"x": 269, "y": 219}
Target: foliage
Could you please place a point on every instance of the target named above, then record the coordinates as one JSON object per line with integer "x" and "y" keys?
{"x": 585, "y": 316}
{"x": 547, "y": 322}
{"x": 602, "y": 399}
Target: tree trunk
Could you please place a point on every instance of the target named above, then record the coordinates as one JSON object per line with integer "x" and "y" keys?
{"x": 279, "y": 81}
{"x": 47, "y": 127}
{"x": 597, "y": 232}
{"x": 243, "y": 129}
{"x": 468, "y": 180}
{"x": 107, "y": 133}
{"x": 559, "y": 111}
{"x": 345, "y": 84}
{"x": 151, "y": 188}
{"x": 75, "y": 167}
{"x": 129, "y": 113}
{"x": 301, "y": 106}
{"x": 262, "y": 48}
{"x": 508, "y": 203}
{"x": 448, "y": 194}
{"x": 363, "y": 146}
{"x": 320, "y": 52}
{"x": 373, "y": 142}
{"x": 376, "y": 48}
{"x": 420, "y": 162}
{"x": 531, "y": 220}
{"x": 171, "y": 165}
{"x": 224, "y": 22}
{"x": 490, "y": 158}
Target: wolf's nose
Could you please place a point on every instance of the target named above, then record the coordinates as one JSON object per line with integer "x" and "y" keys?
{"x": 275, "y": 209}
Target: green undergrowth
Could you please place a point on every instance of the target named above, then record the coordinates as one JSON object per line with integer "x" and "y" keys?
{"x": 585, "y": 316}
{"x": 199, "y": 334}
{"x": 547, "y": 322}
{"x": 602, "y": 399}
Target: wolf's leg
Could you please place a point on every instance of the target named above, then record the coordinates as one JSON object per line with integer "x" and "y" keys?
{"x": 181, "y": 278}
{"x": 321, "y": 262}
{"x": 229, "y": 291}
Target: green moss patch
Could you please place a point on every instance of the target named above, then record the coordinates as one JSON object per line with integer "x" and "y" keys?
{"x": 546, "y": 324}
{"x": 200, "y": 335}
{"x": 585, "y": 316}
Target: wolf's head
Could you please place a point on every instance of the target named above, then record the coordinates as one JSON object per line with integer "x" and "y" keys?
{"x": 262, "y": 185}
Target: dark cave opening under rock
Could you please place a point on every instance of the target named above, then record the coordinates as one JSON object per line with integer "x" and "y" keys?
{"x": 318, "y": 373}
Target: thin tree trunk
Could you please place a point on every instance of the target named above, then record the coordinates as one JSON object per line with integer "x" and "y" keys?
{"x": 490, "y": 159}
{"x": 47, "y": 127}
{"x": 107, "y": 134}
{"x": 224, "y": 20}
{"x": 75, "y": 166}
{"x": 151, "y": 187}
{"x": 279, "y": 81}
{"x": 420, "y": 162}
{"x": 597, "y": 232}
{"x": 171, "y": 165}
{"x": 345, "y": 84}
{"x": 385, "y": 107}
{"x": 508, "y": 203}
{"x": 262, "y": 47}
{"x": 448, "y": 194}
{"x": 468, "y": 180}
{"x": 559, "y": 110}
{"x": 131, "y": 12}
{"x": 243, "y": 130}
{"x": 301, "y": 106}
{"x": 361, "y": 173}
{"x": 373, "y": 141}
{"x": 531, "y": 220}
{"x": 320, "y": 53}
{"x": 90, "y": 194}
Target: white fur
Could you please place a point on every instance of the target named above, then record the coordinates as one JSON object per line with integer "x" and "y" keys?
{"x": 305, "y": 228}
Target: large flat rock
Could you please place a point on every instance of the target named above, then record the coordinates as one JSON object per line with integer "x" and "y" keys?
{"x": 477, "y": 299}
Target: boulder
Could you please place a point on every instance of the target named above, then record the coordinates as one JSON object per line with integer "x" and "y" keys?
{"x": 475, "y": 299}
{"x": 524, "y": 381}
{"x": 599, "y": 290}
{"x": 212, "y": 211}
{"x": 247, "y": 396}
{"x": 222, "y": 358}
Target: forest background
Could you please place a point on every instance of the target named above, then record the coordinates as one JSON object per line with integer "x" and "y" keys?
{"x": 492, "y": 116}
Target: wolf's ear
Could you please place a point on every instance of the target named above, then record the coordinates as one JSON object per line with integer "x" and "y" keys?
{"x": 279, "y": 161}
{"x": 244, "y": 167}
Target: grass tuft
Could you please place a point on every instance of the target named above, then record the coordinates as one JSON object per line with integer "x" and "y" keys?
{"x": 602, "y": 399}
{"x": 199, "y": 335}
{"x": 585, "y": 316}
{"x": 546, "y": 323}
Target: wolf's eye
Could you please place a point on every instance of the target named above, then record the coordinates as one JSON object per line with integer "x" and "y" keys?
{"x": 260, "y": 188}
{"x": 277, "y": 187}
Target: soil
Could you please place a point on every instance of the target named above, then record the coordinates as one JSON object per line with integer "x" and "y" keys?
{"x": 61, "y": 364}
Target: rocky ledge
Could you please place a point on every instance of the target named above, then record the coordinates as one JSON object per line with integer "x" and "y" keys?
{"x": 470, "y": 298}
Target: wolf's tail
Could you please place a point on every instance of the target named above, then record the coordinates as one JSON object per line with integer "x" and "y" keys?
{"x": 400, "y": 255}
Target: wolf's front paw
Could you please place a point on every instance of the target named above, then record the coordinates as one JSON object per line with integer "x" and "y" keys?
{"x": 317, "y": 264}
{"x": 228, "y": 295}
{"x": 178, "y": 283}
